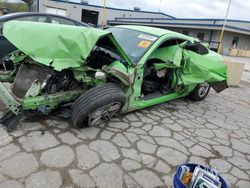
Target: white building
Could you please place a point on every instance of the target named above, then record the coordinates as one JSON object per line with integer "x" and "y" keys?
{"x": 81, "y": 11}
{"x": 237, "y": 32}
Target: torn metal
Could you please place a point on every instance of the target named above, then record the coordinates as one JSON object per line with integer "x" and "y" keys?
{"x": 62, "y": 62}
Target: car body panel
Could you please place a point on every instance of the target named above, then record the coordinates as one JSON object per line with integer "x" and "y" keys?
{"x": 6, "y": 47}
{"x": 189, "y": 82}
{"x": 70, "y": 46}
{"x": 210, "y": 69}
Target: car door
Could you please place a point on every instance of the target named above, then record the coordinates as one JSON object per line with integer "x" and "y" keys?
{"x": 5, "y": 46}
{"x": 166, "y": 54}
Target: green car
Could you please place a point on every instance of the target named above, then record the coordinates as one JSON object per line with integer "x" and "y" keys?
{"x": 92, "y": 75}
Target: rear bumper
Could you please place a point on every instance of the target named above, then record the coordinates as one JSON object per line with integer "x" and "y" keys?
{"x": 9, "y": 100}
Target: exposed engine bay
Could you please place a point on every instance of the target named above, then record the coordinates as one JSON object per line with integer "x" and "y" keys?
{"x": 6, "y": 64}
{"x": 37, "y": 80}
{"x": 45, "y": 80}
{"x": 48, "y": 80}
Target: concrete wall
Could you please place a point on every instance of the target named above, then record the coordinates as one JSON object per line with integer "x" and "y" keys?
{"x": 75, "y": 11}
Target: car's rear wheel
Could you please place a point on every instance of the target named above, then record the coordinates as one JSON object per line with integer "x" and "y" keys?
{"x": 200, "y": 92}
{"x": 97, "y": 105}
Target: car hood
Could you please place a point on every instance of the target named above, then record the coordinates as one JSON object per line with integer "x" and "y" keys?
{"x": 58, "y": 46}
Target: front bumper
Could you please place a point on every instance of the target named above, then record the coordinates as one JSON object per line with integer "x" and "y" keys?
{"x": 32, "y": 103}
{"x": 17, "y": 107}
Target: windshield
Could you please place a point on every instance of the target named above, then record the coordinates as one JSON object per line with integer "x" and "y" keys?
{"x": 134, "y": 43}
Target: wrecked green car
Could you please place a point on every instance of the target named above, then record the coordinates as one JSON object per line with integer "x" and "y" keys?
{"x": 93, "y": 74}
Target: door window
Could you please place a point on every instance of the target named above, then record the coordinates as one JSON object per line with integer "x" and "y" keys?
{"x": 185, "y": 32}
{"x": 57, "y": 20}
{"x": 42, "y": 19}
{"x": 1, "y": 28}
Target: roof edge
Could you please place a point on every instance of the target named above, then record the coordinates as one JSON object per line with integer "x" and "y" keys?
{"x": 188, "y": 19}
{"x": 218, "y": 26}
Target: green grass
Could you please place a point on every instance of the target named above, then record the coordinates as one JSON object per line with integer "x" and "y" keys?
{"x": 14, "y": 7}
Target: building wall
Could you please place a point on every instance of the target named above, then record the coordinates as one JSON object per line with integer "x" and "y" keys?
{"x": 244, "y": 40}
{"x": 75, "y": 11}
{"x": 158, "y": 20}
{"x": 194, "y": 32}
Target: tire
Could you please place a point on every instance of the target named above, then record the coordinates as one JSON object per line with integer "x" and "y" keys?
{"x": 200, "y": 92}
{"x": 104, "y": 101}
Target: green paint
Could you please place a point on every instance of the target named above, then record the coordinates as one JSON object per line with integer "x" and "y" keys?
{"x": 9, "y": 100}
{"x": 60, "y": 47}
{"x": 68, "y": 47}
{"x": 51, "y": 100}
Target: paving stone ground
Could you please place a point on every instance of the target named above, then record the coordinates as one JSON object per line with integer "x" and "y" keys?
{"x": 139, "y": 149}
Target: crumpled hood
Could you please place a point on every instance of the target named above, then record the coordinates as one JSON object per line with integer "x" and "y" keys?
{"x": 58, "y": 46}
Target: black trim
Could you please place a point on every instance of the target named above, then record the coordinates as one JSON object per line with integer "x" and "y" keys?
{"x": 13, "y": 16}
{"x": 219, "y": 86}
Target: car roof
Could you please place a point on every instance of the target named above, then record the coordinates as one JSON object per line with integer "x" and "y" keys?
{"x": 154, "y": 31}
{"x": 21, "y": 14}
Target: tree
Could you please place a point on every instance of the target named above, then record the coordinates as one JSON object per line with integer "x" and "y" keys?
{"x": 29, "y": 3}
{"x": 6, "y": 7}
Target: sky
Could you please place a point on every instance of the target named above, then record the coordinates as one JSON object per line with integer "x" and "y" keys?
{"x": 240, "y": 9}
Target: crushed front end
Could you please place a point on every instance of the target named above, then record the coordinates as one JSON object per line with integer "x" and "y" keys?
{"x": 37, "y": 87}
{"x": 57, "y": 67}
{"x": 9, "y": 66}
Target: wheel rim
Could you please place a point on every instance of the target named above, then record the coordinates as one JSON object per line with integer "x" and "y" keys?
{"x": 203, "y": 89}
{"x": 104, "y": 113}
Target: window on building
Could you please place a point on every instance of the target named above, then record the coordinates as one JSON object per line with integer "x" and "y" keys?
{"x": 185, "y": 32}
{"x": 235, "y": 41}
{"x": 90, "y": 17}
{"x": 201, "y": 36}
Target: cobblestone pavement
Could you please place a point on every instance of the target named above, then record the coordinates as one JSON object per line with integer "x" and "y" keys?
{"x": 140, "y": 149}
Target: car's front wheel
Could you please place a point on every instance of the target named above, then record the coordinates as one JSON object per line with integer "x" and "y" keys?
{"x": 97, "y": 105}
{"x": 200, "y": 92}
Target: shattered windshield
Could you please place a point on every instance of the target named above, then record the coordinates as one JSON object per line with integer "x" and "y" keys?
{"x": 134, "y": 43}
